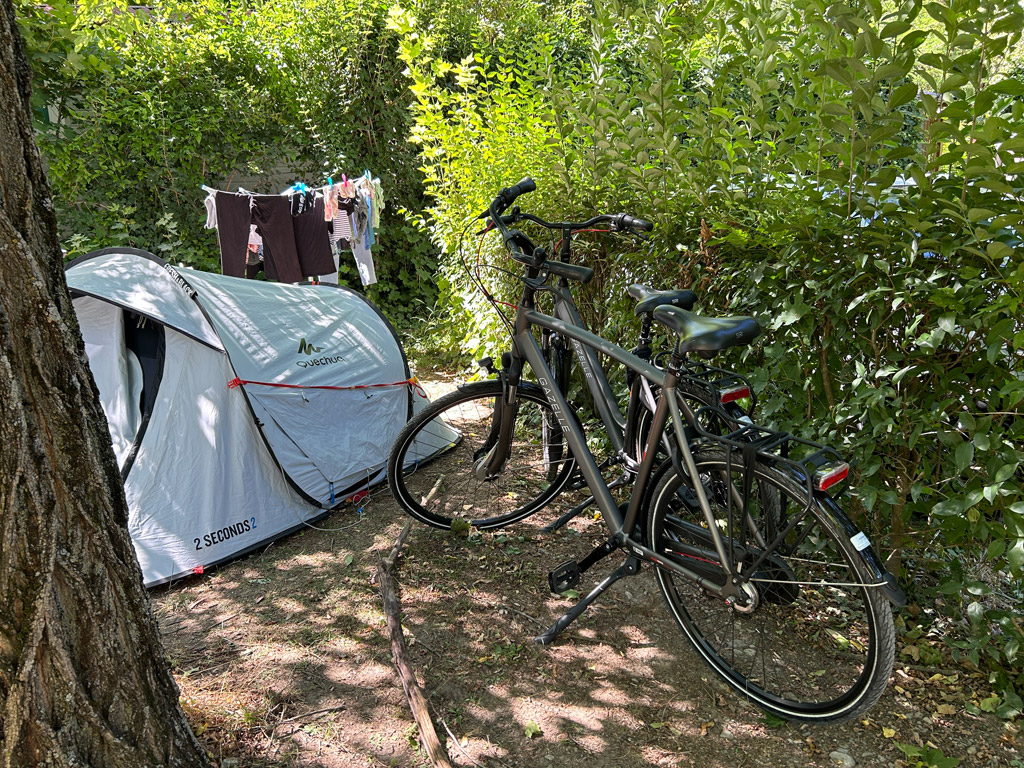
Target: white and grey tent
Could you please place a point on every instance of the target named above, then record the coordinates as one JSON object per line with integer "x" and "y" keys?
{"x": 239, "y": 410}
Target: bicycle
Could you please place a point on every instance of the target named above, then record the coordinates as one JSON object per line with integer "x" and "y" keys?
{"x": 702, "y": 383}
{"x": 791, "y": 610}
{"x": 440, "y": 449}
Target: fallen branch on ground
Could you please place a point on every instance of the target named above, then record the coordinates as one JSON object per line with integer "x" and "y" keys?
{"x": 389, "y": 561}
{"x": 400, "y": 654}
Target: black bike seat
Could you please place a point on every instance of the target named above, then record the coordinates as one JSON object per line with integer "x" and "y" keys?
{"x": 707, "y": 334}
{"x": 648, "y": 299}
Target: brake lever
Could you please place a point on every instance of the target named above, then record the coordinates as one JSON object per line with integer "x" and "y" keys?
{"x": 508, "y": 218}
{"x": 631, "y": 232}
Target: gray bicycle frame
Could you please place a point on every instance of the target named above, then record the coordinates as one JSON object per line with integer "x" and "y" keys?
{"x": 604, "y": 399}
{"x": 668, "y": 408}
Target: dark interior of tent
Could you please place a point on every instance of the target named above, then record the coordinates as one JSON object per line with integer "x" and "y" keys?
{"x": 145, "y": 339}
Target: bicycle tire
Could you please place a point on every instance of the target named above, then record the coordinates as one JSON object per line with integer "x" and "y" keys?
{"x": 710, "y": 421}
{"x": 559, "y": 360}
{"x": 817, "y": 643}
{"x": 430, "y": 469}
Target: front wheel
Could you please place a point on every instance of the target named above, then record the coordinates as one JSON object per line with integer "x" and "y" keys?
{"x": 810, "y": 637}
{"x": 431, "y": 467}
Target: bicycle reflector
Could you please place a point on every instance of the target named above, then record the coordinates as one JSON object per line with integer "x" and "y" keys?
{"x": 828, "y": 475}
{"x": 734, "y": 393}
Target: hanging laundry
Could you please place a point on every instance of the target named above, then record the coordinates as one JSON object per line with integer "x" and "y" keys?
{"x": 342, "y": 226}
{"x": 312, "y": 240}
{"x": 330, "y": 195}
{"x": 236, "y": 214}
{"x": 332, "y": 277}
{"x": 364, "y": 263}
{"x": 273, "y": 218}
{"x": 299, "y": 233}
{"x": 253, "y": 253}
{"x": 210, "y": 203}
{"x": 378, "y": 199}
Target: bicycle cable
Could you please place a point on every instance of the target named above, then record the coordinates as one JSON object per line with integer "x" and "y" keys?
{"x": 474, "y": 276}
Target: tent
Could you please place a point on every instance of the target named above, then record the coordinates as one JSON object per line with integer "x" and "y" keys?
{"x": 239, "y": 410}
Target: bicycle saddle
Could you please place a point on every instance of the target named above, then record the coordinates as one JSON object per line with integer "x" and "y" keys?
{"x": 648, "y": 299}
{"x": 707, "y": 334}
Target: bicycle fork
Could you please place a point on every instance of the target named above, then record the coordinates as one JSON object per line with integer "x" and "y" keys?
{"x": 491, "y": 460}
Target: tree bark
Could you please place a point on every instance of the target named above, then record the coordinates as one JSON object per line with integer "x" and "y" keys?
{"x": 83, "y": 678}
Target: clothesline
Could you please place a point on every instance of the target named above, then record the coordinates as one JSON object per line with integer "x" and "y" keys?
{"x": 299, "y": 233}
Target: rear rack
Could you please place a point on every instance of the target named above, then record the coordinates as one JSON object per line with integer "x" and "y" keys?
{"x": 716, "y": 385}
{"x": 820, "y": 468}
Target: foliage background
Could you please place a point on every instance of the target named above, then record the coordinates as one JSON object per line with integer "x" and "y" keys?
{"x": 848, "y": 173}
{"x": 154, "y": 103}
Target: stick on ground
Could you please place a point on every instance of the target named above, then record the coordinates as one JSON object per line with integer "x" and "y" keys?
{"x": 400, "y": 653}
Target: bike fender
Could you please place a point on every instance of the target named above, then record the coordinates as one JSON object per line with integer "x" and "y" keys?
{"x": 862, "y": 544}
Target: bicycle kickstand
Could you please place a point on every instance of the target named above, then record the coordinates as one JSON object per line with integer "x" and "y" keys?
{"x": 628, "y": 568}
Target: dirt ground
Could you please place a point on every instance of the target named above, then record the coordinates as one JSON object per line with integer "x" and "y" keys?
{"x": 284, "y": 659}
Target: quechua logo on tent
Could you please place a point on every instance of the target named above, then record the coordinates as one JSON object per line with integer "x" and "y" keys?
{"x": 305, "y": 348}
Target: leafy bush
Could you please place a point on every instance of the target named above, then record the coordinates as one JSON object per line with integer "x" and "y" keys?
{"x": 154, "y": 103}
{"x": 848, "y": 173}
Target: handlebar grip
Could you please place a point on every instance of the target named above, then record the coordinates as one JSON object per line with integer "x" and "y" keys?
{"x": 625, "y": 221}
{"x": 508, "y": 195}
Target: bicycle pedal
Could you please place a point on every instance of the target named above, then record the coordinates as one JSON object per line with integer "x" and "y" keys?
{"x": 564, "y": 577}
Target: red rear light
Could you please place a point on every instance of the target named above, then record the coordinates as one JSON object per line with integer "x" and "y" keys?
{"x": 734, "y": 393}
{"x": 830, "y": 474}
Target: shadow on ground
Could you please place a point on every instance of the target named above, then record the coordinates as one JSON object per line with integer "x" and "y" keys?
{"x": 283, "y": 659}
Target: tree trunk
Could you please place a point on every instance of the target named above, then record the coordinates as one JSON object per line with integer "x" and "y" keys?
{"x": 83, "y": 678}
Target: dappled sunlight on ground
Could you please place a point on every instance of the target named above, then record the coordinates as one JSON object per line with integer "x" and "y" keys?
{"x": 284, "y": 659}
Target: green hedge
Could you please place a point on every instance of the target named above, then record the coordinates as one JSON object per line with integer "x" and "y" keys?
{"x": 154, "y": 103}
{"x": 850, "y": 174}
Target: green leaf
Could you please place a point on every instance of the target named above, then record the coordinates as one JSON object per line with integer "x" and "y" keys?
{"x": 989, "y": 704}
{"x": 1005, "y": 472}
{"x": 532, "y": 730}
{"x": 894, "y": 28}
{"x": 963, "y": 456}
{"x": 898, "y": 376}
{"x": 996, "y": 548}
{"x": 998, "y": 251}
{"x": 1015, "y": 557}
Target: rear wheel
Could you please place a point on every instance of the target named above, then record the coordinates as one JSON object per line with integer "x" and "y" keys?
{"x": 809, "y": 638}
{"x": 431, "y": 467}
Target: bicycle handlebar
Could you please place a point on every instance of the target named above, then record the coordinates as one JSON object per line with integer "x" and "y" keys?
{"x": 625, "y": 221}
{"x": 507, "y": 196}
{"x": 516, "y": 241}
